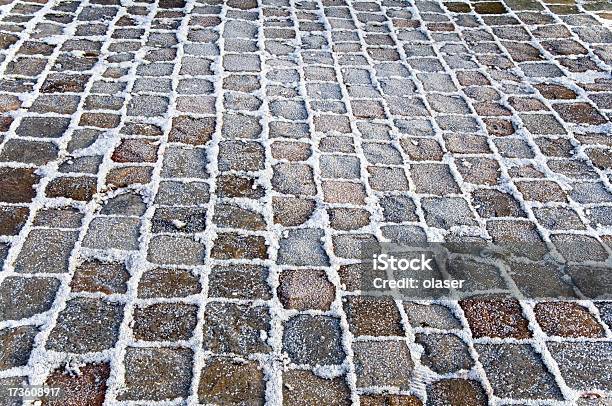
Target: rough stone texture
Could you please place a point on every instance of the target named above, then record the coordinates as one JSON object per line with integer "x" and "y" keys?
{"x": 373, "y": 316}
{"x": 291, "y": 211}
{"x": 434, "y": 316}
{"x": 113, "y": 233}
{"x": 59, "y": 244}
{"x": 382, "y": 363}
{"x": 66, "y": 217}
{"x": 175, "y": 250}
{"x": 21, "y": 298}
{"x": 444, "y": 353}
{"x": 74, "y": 331}
{"x": 157, "y": 373}
{"x": 164, "y": 322}
{"x": 16, "y": 185}
{"x": 303, "y": 247}
{"x": 313, "y": 340}
{"x": 582, "y": 365}
{"x": 96, "y": 276}
{"x": 343, "y": 192}
{"x": 31, "y": 152}
{"x": 81, "y": 188}
{"x": 305, "y": 289}
{"x": 191, "y": 130}
{"x": 239, "y": 282}
{"x": 384, "y": 400}
{"x": 17, "y": 343}
{"x": 304, "y": 388}
{"x": 456, "y": 392}
{"x": 162, "y": 282}
{"x": 446, "y": 213}
{"x": 86, "y": 388}
{"x": 492, "y": 316}
{"x": 132, "y": 150}
{"x": 226, "y": 381}
{"x": 567, "y": 320}
{"x": 180, "y": 219}
{"x": 434, "y": 179}
{"x": 501, "y": 361}
{"x": 293, "y": 179}
{"x": 238, "y": 246}
{"x": 235, "y": 328}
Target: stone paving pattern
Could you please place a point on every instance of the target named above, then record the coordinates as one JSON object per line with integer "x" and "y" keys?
{"x": 184, "y": 186}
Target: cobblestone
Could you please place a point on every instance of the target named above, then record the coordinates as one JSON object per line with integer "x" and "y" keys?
{"x": 444, "y": 353}
{"x": 382, "y": 363}
{"x": 146, "y": 369}
{"x": 303, "y": 290}
{"x": 75, "y": 333}
{"x": 223, "y": 380}
{"x": 22, "y": 298}
{"x": 313, "y": 340}
{"x": 456, "y": 392}
{"x": 89, "y": 386}
{"x": 499, "y": 361}
{"x": 188, "y": 189}
{"x": 17, "y": 346}
{"x": 305, "y": 388}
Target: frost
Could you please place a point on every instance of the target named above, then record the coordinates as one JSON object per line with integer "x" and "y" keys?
{"x": 179, "y": 224}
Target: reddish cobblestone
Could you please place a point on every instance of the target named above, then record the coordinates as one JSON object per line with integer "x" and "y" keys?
{"x": 495, "y": 317}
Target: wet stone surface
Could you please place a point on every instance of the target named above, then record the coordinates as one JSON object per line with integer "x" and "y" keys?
{"x": 187, "y": 188}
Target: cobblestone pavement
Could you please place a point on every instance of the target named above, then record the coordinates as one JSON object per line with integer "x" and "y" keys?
{"x": 185, "y": 186}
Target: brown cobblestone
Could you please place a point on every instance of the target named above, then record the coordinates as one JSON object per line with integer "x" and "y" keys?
{"x": 86, "y": 388}
{"x": 456, "y": 392}
{"x": 223, "y": 380}
{"x": 305, "y": 388}
{"x": 373, "y": 316}
{"x": 129, "y": 175}
{"x": 16, "y": 185}
{"x": 305, "y": 289}
{"x": 12, "y": 219}
{"x": 566, "y": 319}
{"x": 77, "y": 188}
